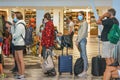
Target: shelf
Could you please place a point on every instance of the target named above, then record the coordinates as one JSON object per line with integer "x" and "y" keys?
{"x": 29, "y": 14}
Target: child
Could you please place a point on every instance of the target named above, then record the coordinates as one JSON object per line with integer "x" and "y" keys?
{"x": 1, "y": 66}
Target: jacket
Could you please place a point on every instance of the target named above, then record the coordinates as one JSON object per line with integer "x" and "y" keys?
{"x": 17, "y": 32}
{"x": 82, "y": 31}
{"x": 48, "y": 35}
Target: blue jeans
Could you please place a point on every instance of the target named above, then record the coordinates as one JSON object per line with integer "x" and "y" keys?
{"x": 83, "y": 54}
{"x": 44, "y": 51}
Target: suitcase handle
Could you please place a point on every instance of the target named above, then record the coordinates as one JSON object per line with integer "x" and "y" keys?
{"x": 66, "y": 51}
{"x": 99, "y": 38}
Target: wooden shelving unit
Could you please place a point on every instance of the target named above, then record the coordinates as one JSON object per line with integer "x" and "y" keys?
{"x": 4, "y": 13}
{"x": 29, "y": 14}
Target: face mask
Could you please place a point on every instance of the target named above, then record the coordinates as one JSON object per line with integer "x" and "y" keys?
{"x": 80, "y": 18}
{"x": 15, "y": 20}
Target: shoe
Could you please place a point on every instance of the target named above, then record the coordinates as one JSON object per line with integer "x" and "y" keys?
{"x": 16, "y": 76}
{"x": 3, "y": 76}
{"x": 20, "y": 77}
{"x": 82, "y": 74}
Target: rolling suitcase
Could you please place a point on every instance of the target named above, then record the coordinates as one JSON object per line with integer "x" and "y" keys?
{"x": 65, "y": 63}
{"x": 98, "y": 63}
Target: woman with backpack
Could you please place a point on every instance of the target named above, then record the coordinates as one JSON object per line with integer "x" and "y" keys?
{"x": 19, "y": 43}
{"x": 81, "y": 41}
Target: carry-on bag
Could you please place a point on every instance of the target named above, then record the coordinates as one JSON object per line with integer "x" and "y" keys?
{"x": 79, "y": 66}
{"x": 65, "y": 63}
{"x": 98, "y": 63}
{"x": 48, "y": 62}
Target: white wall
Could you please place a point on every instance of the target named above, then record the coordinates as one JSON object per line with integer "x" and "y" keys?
{"x": 116, "y": 6}
{"x": 39, "y": 17}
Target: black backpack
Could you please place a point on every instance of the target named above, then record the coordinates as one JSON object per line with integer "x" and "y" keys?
{"x": 79, "y": 66}
{"x": 28, "y": 35}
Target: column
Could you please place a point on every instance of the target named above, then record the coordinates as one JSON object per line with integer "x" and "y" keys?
{"x": 61, "y": 27}
{"x": 56, "y": 17}
{"x": 39, "y": 17}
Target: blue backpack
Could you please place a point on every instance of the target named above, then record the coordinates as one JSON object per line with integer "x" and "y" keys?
{"x": 28, "y": 35}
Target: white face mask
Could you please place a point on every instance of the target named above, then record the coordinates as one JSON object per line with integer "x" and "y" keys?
{"x": 45, "y": 20}
{"x": 42, "y": 28}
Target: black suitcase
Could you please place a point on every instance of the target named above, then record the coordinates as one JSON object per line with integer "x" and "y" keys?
{"x": 98, "y": 63}
{"x": 65, "y": 63}
{"x": 98, "y": 66}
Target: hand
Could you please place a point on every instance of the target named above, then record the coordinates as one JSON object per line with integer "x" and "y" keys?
{"x": 47, "y": 50}
{"x": 99, "y": 22}
{"x": 107, "y": 14}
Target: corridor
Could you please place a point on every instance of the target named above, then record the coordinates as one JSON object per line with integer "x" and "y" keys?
{"x": 33, "y": 68}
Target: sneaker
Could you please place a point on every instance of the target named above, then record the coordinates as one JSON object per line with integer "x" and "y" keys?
{"x": 20, "y": 77}
{"x": 82, "y": 74}
{"x": 16, "y": 76}
{"x": 3, "y": 76}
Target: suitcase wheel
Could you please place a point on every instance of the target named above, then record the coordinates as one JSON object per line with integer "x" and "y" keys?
{"x": 60, "y": 73}
{"x": 71, "y": 73}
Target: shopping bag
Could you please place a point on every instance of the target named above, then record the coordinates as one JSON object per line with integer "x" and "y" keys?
{"x": 48, "y": 62}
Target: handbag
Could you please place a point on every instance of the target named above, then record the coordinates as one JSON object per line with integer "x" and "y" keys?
{"x": 67, "y": 40}
{"x": 48, "y": 62}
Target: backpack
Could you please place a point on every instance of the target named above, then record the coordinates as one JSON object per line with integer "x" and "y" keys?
{"x": 79, "y": 66}
{"x": 114, "y": 34}
{"x": 28, "y": 35}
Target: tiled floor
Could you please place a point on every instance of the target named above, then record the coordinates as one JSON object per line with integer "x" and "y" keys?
{"x": 34, "y": 72}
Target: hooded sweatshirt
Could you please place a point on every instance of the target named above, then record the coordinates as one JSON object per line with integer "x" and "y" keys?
{"x": 18, "y": 32}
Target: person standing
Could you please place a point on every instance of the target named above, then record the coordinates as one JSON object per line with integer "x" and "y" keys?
{"x": 107, "y": 47}
{"x": 47, "y": 41}
{"x": 7, "y": 38}
{"x": 15, "y": 68}
{"x": 71, "y": 29}
{"x": 19, "y": 43}
{"x": 81, "y": 41}
{"x": 2, "y": 23}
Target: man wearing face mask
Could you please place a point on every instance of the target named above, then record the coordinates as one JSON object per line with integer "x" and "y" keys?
{"x": 81, "y": 41}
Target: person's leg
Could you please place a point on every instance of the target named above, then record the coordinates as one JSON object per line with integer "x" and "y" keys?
{"x": 2, "y": 71}
{"x": 1, "y": 68}
{"x": 21, "y": 61}
{"x": 82, "y": 49}
{"x": 44, "y": 52}
{"x": 107, "y": 75}
{"x": 108, "y": 72}
{"x": 84, "y": 54}
{"x": 106, "y": 52}
{"x": 115, "y": 74}
{"x": 15, "y": 68}
{"x": 17, "y": 60}
{"x": 72, "y": 39}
